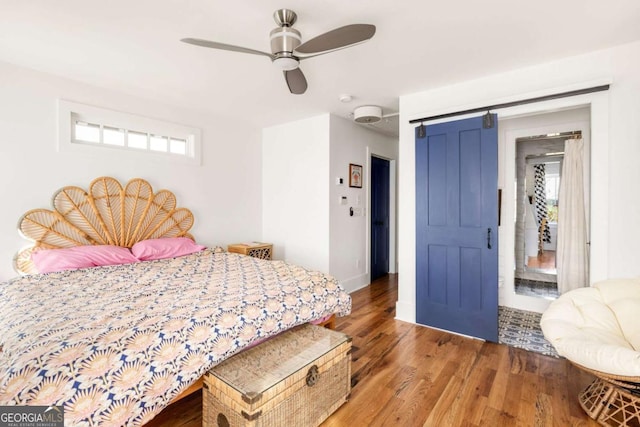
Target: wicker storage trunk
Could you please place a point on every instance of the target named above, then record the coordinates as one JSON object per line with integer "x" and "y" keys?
{"x": 298, "y": 378}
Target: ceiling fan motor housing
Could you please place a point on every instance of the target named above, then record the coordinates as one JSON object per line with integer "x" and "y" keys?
{"x": 284, "y": 40}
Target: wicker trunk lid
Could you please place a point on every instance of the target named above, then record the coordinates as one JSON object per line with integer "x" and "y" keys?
{"x": 298, "y": 378}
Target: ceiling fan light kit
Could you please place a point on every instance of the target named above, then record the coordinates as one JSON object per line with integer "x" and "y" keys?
{"x": 287, "y": 49}
{"x": 286, "y": 63}
{"x": 367, "y": 114}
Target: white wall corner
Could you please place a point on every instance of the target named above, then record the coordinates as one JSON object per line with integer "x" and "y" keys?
{"x": 406, "y": 311}
{"x": 355, "y": 283}
{"x": 295, "y": 213}
{"x": 350, "y": 235}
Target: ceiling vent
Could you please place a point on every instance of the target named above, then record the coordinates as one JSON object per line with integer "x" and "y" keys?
{"x": 367, "y": 114}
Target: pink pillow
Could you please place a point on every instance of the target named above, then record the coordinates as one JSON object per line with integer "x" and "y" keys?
{"x": 49, "y": 260}
{"x": 169, "y": 247}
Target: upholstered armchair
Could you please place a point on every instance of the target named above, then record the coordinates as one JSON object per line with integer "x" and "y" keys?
{"x": 598, "y": 330}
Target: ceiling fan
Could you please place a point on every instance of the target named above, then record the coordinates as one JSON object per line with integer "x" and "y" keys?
{"x": 287, "y": 50}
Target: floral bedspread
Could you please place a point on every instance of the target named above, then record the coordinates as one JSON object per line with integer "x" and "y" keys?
{"x": 115, "y": 344}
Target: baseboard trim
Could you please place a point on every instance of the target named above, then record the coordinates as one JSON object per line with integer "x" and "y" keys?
{"x": 405, "y": 311}
{"x": 354, "y": 283}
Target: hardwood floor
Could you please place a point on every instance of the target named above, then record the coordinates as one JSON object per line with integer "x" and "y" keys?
{"x": 546, "y": 261}
{"x": 409, "y": 375}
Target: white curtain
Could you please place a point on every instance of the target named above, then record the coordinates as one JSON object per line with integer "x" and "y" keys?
{"x": 571, "y": 255}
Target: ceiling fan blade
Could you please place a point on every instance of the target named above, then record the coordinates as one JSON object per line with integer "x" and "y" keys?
{"x": 333, "y": 40}
{"x": 296, "y": 81}
{"x": 222, "y": 46}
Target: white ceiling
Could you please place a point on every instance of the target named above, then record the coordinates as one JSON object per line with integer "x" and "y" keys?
{"x": 133, "y": 47}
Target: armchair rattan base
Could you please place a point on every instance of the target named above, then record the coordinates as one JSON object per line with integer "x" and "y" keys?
{"x": 612, "y": 400}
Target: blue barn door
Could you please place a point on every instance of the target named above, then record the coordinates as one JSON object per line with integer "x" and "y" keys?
{"x": 457, "y": 228}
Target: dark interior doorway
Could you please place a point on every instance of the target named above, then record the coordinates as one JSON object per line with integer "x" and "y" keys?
{"x": 379, "y": 217}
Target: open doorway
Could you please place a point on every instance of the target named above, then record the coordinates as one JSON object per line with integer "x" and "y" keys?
{"x": 539, "y": 161}
{"x": 389, "y": 214}
{"x": 380, "y": 217}
{"x": 532, "y": 155}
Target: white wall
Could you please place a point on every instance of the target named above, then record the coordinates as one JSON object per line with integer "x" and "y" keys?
{"x": 615, "y": 148}
{"x": 295, "y": 191}
{"x": 349, "y": 258}
{"x": 302, "y": 215}
{"x": 223, "y": 193}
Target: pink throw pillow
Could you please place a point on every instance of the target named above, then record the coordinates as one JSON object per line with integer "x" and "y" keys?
{"x": 169, "y": 247}
{"x": 49, "y": 260}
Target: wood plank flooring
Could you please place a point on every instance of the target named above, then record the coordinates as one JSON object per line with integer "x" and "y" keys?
{"x": 408, "y": 375}
{"x": 545, "y": 261}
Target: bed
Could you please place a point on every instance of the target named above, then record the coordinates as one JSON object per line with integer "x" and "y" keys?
{"x": 116, "y": 344}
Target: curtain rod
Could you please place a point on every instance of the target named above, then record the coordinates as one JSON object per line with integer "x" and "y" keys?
{"x": 515, "y": 103}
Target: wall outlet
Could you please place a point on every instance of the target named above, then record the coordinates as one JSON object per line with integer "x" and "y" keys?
{"x": 339, "y": 181}
{"x": 357, "y": 263}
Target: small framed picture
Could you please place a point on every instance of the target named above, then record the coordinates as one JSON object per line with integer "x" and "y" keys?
{"x": 355, "y": 175}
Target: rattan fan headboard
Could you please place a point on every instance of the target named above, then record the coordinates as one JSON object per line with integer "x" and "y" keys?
{"x": 106, "y": 214}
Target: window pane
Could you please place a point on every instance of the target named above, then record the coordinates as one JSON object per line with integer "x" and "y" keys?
{"x": 552, "y": 186}
{"x": 178, "y": 146}
{"x": 87, "y": 132}
{"x": 137, "y": 140}
{"x": 113, "y": 136}
{"x": 158, "y": 143}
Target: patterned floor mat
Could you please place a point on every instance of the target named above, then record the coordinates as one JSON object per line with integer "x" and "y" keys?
{"x": 536, "y": 288}
{"x": 519, "y": 328}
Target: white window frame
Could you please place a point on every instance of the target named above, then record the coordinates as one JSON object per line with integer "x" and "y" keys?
{"x": 69, "y": 112}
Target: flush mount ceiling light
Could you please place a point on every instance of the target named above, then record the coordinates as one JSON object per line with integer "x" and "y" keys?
{"x": 367, "y": 114}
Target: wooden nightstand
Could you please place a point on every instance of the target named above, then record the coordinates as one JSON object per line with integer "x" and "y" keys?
{"x": 254, "y": 249}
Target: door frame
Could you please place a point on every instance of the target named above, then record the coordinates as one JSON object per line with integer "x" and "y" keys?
{"x": 507, "y": 295}
{"x": 598, "y": 103}
{"x": 393, "y": 266}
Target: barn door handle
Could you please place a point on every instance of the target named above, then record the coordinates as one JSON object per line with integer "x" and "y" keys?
{"x": 489, "y": 238}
